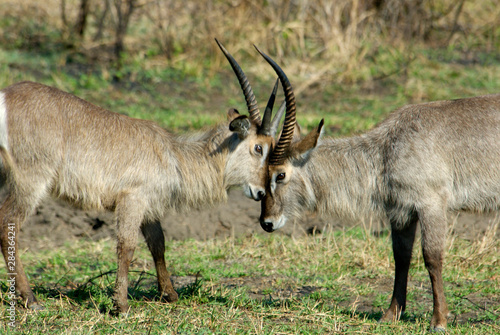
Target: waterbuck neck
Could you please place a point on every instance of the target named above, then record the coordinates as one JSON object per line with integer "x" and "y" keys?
{"x": 346, "y": 176}
{"x": 199, "y": 161}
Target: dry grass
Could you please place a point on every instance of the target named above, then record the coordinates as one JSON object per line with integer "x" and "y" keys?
{"x": 318, "y": 40}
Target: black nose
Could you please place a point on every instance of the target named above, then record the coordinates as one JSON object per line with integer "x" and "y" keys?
{"x": 267, "y": 226}
{"x": 260, "y": 195}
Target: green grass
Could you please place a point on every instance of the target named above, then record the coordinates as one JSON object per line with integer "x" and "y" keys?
{"x": 333, "y": 283}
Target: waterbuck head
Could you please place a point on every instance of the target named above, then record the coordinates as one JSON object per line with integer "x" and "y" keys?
{"x": 285, "y": 186}
{"x": 255, "y": 136}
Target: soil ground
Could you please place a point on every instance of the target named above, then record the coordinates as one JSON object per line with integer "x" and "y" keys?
{"x": 54, "y": 223}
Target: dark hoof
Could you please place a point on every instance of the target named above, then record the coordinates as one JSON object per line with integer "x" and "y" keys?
{"x": 389, "y": 317}
{"x": 438, "y": 329}
{"x": 170, "y": 296}
{"x": 36, "y": 307}
{"x": 119, "y": 310}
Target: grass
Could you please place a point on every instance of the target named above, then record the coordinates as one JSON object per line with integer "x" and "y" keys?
{"x": 334, "y": 283}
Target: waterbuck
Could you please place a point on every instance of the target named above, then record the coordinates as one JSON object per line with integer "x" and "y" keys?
{"x": 54, "y": 143}
{"x": 423, "y": 161}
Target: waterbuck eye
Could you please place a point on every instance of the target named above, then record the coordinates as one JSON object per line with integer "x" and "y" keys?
{"x": 258, "y": 148}
{"x": 280, "y": 177}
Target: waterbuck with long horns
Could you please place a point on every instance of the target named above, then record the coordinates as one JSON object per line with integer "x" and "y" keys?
{"x": 420, "y": 163}
{"x": 53, "y": 143}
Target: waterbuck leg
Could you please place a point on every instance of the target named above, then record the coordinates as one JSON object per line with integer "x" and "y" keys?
{"x": 155, "y": 239}
{"x": 434, "y": 229}
{"x": 402, "y": 245}
{"x": 12, "y": 216}
{"x": 129, "y": 215}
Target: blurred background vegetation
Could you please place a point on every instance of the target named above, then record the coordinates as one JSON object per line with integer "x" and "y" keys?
{"x": 350, "y": 61}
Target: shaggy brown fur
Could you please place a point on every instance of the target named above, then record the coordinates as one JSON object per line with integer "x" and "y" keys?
{"x": 53, "y": 143}
{"x": 421, "y": 162}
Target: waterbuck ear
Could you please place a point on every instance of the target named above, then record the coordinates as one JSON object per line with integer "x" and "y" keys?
{"x": 240, "y": 125}
{"x": 232, "y": 114}
{"x": 296, "y": 132}
{"x": 303, "y": 147}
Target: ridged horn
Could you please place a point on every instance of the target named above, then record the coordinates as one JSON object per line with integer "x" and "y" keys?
{"x": 253, "y": 109}
{"x": 277, "y": 156}
{"x": 265, "y": 128}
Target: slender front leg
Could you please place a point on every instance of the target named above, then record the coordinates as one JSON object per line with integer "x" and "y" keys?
{"x": 125, "y": 253}
{"x": 129, "y": 215}
{"x": 402, "y": 245}
{"x": 434, "y": 230}
{"x": 155, "y": 239}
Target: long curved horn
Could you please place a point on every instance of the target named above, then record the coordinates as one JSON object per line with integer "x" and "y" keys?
{"x": 277, "y": 156}
{"x": 265, "y": 128}
{"x": 253, "y": 109}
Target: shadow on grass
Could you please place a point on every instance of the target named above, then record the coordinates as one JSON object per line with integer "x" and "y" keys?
{"x": 372, "y": 316}
{"x": 98, "y": 295}
{"x": 376, "y": 316}
{"x": 93, "y": 294}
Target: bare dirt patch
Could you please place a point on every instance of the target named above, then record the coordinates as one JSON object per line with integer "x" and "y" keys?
{"x": 54, "y": 223}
